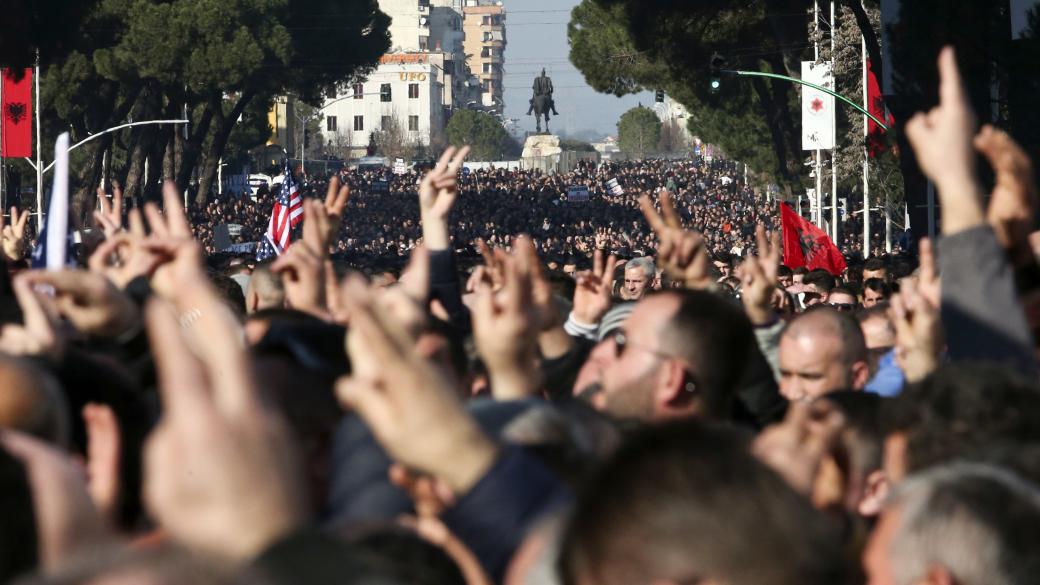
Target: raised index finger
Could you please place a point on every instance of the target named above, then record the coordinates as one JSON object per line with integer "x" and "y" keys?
{"x": 656, "y": 223}
{"x": 951, "y": 88}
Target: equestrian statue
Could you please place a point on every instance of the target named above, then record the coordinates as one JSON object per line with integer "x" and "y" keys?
{"x": 542, "y": 102}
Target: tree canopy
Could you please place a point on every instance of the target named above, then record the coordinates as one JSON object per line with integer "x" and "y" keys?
{"x": 216, "y": 62}
{"x": 484, "y": 134}
{"x": 639, "y": 131}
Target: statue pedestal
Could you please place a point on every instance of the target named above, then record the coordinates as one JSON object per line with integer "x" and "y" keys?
{"x": 543, "y": 152}
{"x": 539, "y": 145}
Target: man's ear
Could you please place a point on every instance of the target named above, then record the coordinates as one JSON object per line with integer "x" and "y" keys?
{"x": 672, "y": 396}
{"x": 860, "y": 375}
{"x": 875, "y": 492}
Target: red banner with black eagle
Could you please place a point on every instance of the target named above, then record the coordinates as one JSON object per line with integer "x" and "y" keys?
{"x": 16, "y": 114}
{"x": 807, "y": 245}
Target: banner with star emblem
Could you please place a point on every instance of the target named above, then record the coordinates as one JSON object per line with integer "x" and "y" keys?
{"x": 16, "y": 116}
{"x": 817, "y": 107}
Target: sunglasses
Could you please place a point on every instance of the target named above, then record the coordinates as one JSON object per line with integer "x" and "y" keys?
{"x": 621, "y": 343}
{"x": 844, "y": 307}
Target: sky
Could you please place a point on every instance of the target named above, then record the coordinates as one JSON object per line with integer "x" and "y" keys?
{"x": 536, "y": 36}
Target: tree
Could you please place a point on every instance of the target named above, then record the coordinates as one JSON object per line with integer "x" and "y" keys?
{"x": 208, "y": 60}
{"x": 626, "y": 46}
{"x": 482, "y": 132}
{"x": 639, "y": 131}
{"x": 391, "y": 140}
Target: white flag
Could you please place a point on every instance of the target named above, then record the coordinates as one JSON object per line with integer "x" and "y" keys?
{"x": 817, "y": 107}
{"x": 58, "y": 213}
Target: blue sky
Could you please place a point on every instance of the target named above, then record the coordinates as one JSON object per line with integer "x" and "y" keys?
{"x": 536, "y": 31}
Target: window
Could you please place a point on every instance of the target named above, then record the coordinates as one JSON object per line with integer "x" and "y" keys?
{"x": 486, "y": 20}
{"x": 330, "y": 123}
{"x": 487, "y": 36}
{"x": 384, "y": 93}
{"x": 359, "y": 123}
{"x": 487, "y": 67}
{"x": 413, "y": 91}
{"x": 359, "y": 91}
{"x": 487, "y": 85}
{"x": 413, "y": 123}
{"x": 385, "y": 122}
{"x": 424, "y": 43}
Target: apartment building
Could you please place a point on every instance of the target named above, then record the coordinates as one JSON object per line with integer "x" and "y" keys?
{"x": 484, "y": 27}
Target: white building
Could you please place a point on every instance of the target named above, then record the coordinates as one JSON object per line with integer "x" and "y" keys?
{"x": 406, "y": 86}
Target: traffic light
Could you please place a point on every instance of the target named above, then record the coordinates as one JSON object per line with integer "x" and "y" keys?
{"x": 659, "y": 96}
{"x": 716, "y": 65}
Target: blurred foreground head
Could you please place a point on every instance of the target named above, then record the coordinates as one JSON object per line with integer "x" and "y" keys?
{"x": 687, "y": 503}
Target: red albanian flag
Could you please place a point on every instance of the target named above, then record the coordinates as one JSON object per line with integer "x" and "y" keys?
{"x": 807, "y": 245}
{"x": 16, "y": 115}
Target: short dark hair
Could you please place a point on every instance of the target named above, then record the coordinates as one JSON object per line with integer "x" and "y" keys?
{"x": 800, "y": 270}
{"x": 960, "y": 408}
{"x": 783, "y": 270}
{"x": 823, "y": 281}
{"x": 874, "y": 264}
{"x": 715, "y": 337}
{"x": 684, "y": 501}
{"x": 879, "y": 286}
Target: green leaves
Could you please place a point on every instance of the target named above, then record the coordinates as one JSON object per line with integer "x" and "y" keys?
{"x": 639, "y": 131}
{"x": 482, "y": 132}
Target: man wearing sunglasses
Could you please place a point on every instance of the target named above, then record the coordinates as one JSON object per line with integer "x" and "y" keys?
{"x": 682, "y": 353}
{"x": 843, "y": 300}
{"x": 821, "y": 351}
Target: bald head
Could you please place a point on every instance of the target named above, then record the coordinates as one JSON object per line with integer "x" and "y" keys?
{"x": 826, "y": 323}
{"x": 265, "y": 290}
{"x": 31, "y": 401}
{"x": 822, "y": 351}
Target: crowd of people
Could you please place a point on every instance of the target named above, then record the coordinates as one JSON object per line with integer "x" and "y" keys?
{"x": 381, "y": 224}
{"x": 633, "y": 393}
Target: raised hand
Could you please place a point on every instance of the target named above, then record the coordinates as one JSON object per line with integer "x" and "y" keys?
{"x": 919, "y": 335}
{"x": 759, "y": 275}
{"x": 943, "y": 142}
{"x": 13, "y": 234}
{"x": 683, "y": 254}
{"x": 335, "y": 203}
{"x": 110, "y": 218}
{"x": 796, "y": 447}
{"x": 594, "y": 290}
{"x": 124, "y": 256}
{"x": 38, "y": 334}
{"x": 407, "y": 402}
{"x": 172, "y": 241}
{"x": 437, "y": 194}
{"x": 103, "y": 448}
{"x": 221, "y": 474}
{"x": 302, "y": 271}
{"x": 506, "y": 325}
{"x": 1013, "y": 203}
{"x": 89, "y": 301}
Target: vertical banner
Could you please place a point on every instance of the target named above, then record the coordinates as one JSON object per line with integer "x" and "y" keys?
{"x": 877, "y": 108}
{"x": 52, "y": 249}
{"x": 16, "y": 115}
{"x": 817, "y": 107}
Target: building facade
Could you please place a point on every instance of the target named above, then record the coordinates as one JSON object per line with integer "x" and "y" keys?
{"x": 405, "y": 94}
{"x": 484, "y": 26}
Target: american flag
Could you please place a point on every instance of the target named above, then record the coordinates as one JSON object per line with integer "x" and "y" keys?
{"x": 287, "y": 213}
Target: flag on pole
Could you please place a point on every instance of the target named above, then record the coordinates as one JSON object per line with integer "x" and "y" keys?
{"x": 16, "y": 114}
{"x": 52, "y": 248}
{"x": 876, "y": 107}
{"x": 287, "y": 214}
{"x": 807, "y": 245}
{"x": 817, "y": 107}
